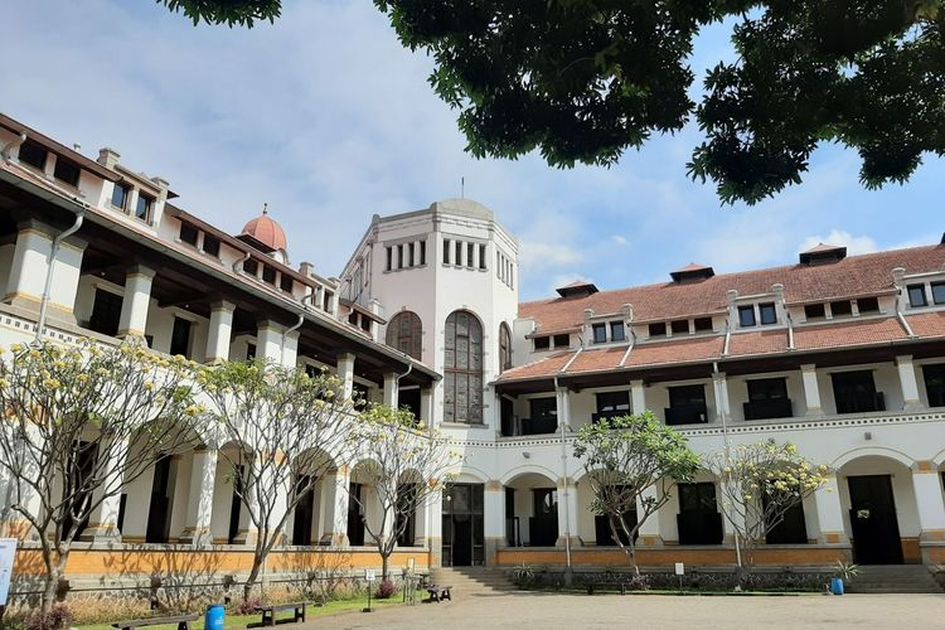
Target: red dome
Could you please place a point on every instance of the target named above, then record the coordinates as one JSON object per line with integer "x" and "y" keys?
{"x": 267, "y": 232}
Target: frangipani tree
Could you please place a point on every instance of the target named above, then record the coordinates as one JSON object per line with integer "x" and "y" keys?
{"x": 405, "y": 465}
{"x": 760, "y": 483}
{"x": 72, "y": 415}
{"x": 290, "y": 428}
{"x": 625, "y": 457}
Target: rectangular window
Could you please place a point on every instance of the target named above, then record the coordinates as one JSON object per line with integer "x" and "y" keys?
{"x": 67, "y": 172}
{"x": 269, "y": 274}
{"x": 746, "y": 316}
{"x": 687, "y": 405}
{"x": 390, "y": 258}
{"x": 251, "y": 266}
{"x": 326, "y": 300}
{"x": 446, "y": 251}
{"x": 767, "y": 398}
{"x": 841, "y": 308}
{"x": 400, "y": 256}
{"x": 814, "y": 311}
{"x": 612, "y": 402}
{"x": 410, "y": 255}
{"x": 180, "y": 337}
{"x": 353, "y": 318}
{"x": 211, "y": 245}
{"x": 935, "y": 384}
{"x": 600, "y": 333}
{"x": 120, "y": 196}
{"x": 470, "y": 249}
{"x": 106, "y": 312}
{"x": 423, "y": 252}
{"x": 938, "y": 292}
{"x": 482, "y": 257}
{"x": 250, "y": 351}
{"x": 562, "y": 341}
{"x": 769, "y": 314}
{"x": 855, "y": 392}
{"x": 33, "y": 154}
{"x": 143, "y": 209}
{"x": 542, "y": 343}
{"x": 617, "y": 332}
{"x": 366, "y": 323}
{"x": 658, "y": 329}
{"x": 680, "y": 327}
{"x": 188, "y": 234}
{"x": 285, "y": 283}
{"x": 868, "y": 305}
{"x": 458, "y": 245}
{"x": 917, "y": 295}
{"x": 767, "y": 388}
{"x": 543, "y": 408}
{"x": 703, "y": 324}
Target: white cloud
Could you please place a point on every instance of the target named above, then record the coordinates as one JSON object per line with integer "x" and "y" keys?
{"x": 619, "y": 240}
{"x": 534, "y": 256}
{"x": 842, "y": 238}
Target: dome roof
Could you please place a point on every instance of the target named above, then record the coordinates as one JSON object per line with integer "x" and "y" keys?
{"x": 266, "y": 231}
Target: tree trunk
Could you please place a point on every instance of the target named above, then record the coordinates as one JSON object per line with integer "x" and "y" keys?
{"x": 385, "y": 565}
{"x": 55, "y": 570}
{"x": 632, "y": 551}
{"x": 252, "y": 577}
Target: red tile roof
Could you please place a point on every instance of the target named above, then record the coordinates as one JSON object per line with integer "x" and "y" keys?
{"x": 854, "y": 276}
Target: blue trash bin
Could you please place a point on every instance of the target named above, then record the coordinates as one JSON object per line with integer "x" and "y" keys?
{"x": 836, "y": 586}
{"x": 216, "y": 615}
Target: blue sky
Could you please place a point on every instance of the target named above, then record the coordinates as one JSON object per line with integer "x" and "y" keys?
{"x": 327, "y": 119}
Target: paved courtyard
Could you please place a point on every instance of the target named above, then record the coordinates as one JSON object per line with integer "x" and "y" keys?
{"x": 532, "y": 611}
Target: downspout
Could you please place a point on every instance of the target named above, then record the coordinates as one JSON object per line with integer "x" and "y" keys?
{"x": 240, "y": 262}
{"x": 50, "y": 263}
{"x": 728, "y": 337}
{"x": 723, "y": 415}
{"x": 565, "y": 497}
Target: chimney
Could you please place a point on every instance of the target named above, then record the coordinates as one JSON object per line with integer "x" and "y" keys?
{"x": 108, "y": 158}
{"x": 307, "y": 269}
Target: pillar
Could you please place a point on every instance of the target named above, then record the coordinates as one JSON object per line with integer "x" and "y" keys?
{"x": 830, "y": 512}
{"x": 649, "y": 532}
{"x": 426, "y": 405}
{"x": 103, "y": 521}
{"x": 434, "y": 535}
{"x": 30, "y": 265}
{"x": 290, "y": 349}
{"x": 929, "y": 499}
{"x": 494, "y": 519}
{"x": 197, "y": 528}
{"x": 907, "y": 380}
{"x": 637, "y": 397}
{"x": 269, "y": 341}
{"x": 136, "y": 301}
{"x": 720, "y": 391}
{"x": 811, "y": 390}
{"x": 391, "y": 389}
{"x": 346, "y": 374}
{"x": 567, "y": 512}
{"x": 221, "y": 330}
{"x": 333, "y": 511}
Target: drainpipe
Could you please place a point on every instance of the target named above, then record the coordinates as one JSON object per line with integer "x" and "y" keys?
{"x": 306, "y": 298}
{"x": 723, "y": 415}
{"x": 240, "y": 262}
{"x": 50, "y": 263}
{"x": 564, "y": 495}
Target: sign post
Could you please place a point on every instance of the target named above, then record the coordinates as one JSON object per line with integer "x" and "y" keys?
{"x": 370, "y": 577}
{"x": 680, "y": 571}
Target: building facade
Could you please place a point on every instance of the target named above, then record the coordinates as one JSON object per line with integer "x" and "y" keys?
{"x": 842, "y": 355}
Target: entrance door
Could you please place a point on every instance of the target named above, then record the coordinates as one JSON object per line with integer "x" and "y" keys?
{"x": 159, "y": 511}
{"x": 873, "y": 520}
{"x": 463, "y": 531}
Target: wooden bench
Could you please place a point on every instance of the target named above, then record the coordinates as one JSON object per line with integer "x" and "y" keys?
{"x": 269, "y": 612}
{"x": 182, "y": 621}
{"x": 439, "y": 593}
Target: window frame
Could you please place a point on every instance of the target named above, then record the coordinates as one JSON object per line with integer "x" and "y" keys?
{"x": 742, "y": 311}
{"x": 148, "y": 202}
{"x": 126, "y": 195}
{"x": 599, "y": 332}
{"x": 767, "y": 308}
{"x": 937, "y": 298}
{"x": 614, "y": 327}
{"x": 188, "y": 228}
{"x": 678, "y": 324}
{"x": 211, "y": 245}
{"x": 917, "y": 287}
{"x": 37, "y": 149}
{"x": 657, "y": 327}
{"x": 542, "y": 342}
{"x": 811, "y": 311}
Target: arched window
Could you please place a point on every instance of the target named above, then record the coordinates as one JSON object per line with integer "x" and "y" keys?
{"x": 505, "y": 347}
{"x": 404, "y": 332}
{"x": 462, "y": 370}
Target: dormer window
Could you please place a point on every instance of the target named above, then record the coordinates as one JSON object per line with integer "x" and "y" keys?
{"x": 542, "y": 343}
{"x": 285, "y": 283}
{"x": 938, "y": 292}
{"x": 842, "y": 308}
{"x": 868, "y": 305}
{"x": 703, "y": 324}
{"x": 657, "y": 329}
{"x": 269, "y": 274}
{"x": 250, "y": 266}
{"x": 917, "y": 295}
{"x": 143, "y": 209}
{"x": 67, "y": 172}
{"x": 120, "y": 196}
{"x": 680, "y": 327}
{"x": 746, "y": 316}
{"x": 32, "y": 154}
{"x": 617, "y": 331}
{"x": 562, "y": 341}
{"x": 600, "y": 333}
{"x": 188, "y": 234}
{"x": 211, "y": 245}
{"x": 769, "y": 314}
{"x": 814, "y": 311}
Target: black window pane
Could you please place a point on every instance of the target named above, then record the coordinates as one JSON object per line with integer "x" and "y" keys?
{"x": 33, "y": 154}
{"x": 917, "y": 295}
{"x": 180, "y": 337}
{"x": 66, "y": 172}
{"x": 188, "y": 234}
{"x": 703, "y": 324}
{"x": 814, "y": 311}
{"x": 562, "y": 341}
{"x": 143, "y": 210}
{"x": 680, "y": 327}
{"x": 106, "y": 313}
{"x": 746, "y": 316}
{"x": 423, "y": 252}
{"x": 841, "y": 308}
{"x": 251, "y": 266}
{"x": 769, "y": 314}
{"x": 211, "y": 245}
{"x": 868, "y": 305}
{"x": 269, "y": 274}
{"x": 657, "y": 330}
{"x": 617, "y": 332}
{"x": 686, "y": 394}
{"x": 600, "y": 333}
{"x": 938, "y": 292}
{"x": 543, "y": 408}
{"x": 935, "y": 384}
{"x": 542, "y": 343}
{"x": 613, "y": 401}
{"x": 767, "y": 389}
{"x": 855, "y": 392}
{"x": 120, "y": 196}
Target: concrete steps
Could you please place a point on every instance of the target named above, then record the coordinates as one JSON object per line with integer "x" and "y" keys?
{"x": 467, "y": 581}
{"x": 898, "y": 578}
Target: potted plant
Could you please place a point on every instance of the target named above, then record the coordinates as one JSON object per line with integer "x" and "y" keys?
{"x": 843, "y": 573}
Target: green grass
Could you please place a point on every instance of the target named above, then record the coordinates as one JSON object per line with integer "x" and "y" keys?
{"x": 238, "y": 622}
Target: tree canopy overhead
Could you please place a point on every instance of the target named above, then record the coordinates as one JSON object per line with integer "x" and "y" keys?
{"x": 581, "y": 81}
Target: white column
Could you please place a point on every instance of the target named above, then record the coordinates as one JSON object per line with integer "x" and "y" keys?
{"x": 830, "y": 512}
{"x": 567, "y": 512}
{"x": 435, "y": 529}
{"x": 290, "y": 350}
{"x": 426, "y": 405}
{"x": 197, "y": 528}
{"x": 649, "y": 532}
{"x": 103, "y": 521}
{"x": 269, "y": 341}
{"x": 346, "y": 374}
{"x": 494, "y": 519}
{"x": 720, "y": 391}
{"x": 907, "y": 380}
{"x": 563, "y": 399}
{"x": 135, "y": 303}
{"x": 391, "y": 390}
{"x": 637, "y": 397}
{"x": 811, "y": 390}
{"x": 926, "y": 481}
{"x": 221, "y": 330}
{"x": 333, "y": 510}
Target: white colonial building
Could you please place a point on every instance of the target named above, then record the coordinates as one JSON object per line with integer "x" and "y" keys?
{"x": 842, "y": 355}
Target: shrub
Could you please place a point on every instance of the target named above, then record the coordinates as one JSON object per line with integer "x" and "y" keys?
{"x": 106, "y": 608}
{"x": 56, "y": 619}
{"x": 638, "y": 583}
{"x": 247, "y": 606}
{"x": 385, "y": 590}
